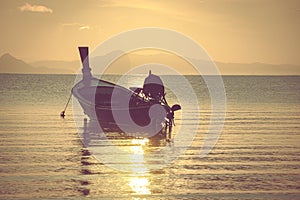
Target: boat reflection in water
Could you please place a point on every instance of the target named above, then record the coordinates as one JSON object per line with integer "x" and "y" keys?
{"x": 126, "y": 152}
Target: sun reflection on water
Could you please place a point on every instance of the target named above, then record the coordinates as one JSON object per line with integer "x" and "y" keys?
{"x": 140, "y": 141}
{"x": 137, "y": 155}
{"x": 139, "y": 183}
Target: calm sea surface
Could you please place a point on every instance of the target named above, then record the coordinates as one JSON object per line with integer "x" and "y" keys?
{"x": 256, "y": 157}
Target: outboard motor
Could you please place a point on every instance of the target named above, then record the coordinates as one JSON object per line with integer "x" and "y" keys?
{"x": 153, "y": 87}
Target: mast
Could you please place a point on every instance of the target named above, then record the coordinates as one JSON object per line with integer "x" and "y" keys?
{"x": 86, "y": 70}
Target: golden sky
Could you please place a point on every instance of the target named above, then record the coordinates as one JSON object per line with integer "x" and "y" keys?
{"x": 242, "y": 31}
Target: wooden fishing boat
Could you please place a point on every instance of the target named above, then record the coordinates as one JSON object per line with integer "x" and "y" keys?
{"x": 138, "y": 109}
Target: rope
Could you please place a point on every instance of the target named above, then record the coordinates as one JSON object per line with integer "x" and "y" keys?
{"x": 62, "y": 114}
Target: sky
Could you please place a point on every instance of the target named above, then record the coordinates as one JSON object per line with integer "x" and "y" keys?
{"x": 238, "y": 31}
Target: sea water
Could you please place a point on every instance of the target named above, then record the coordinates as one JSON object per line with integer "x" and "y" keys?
{"x": 257, "y": 155}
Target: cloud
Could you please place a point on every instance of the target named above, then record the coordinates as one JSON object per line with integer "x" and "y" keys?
{"x": 35, "y": 8}
{"x": 78, "y": 26}
{"x": 81, "y": 28}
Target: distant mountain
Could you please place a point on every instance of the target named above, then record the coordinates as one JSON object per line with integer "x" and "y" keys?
{"x": 59, "y": 65}
{"x": 183, "y": 67}
{"x": 75, "y": 66}
{"x": 10, "y": 64}
{"x": 257, "y": 68}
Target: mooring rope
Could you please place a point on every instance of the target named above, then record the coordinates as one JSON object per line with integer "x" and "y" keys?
{"x": 62, "y": 114}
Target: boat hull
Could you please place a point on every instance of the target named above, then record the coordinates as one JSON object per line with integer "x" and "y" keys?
{"x": 125, "y": 110}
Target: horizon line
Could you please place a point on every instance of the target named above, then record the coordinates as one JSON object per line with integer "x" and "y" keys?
{"x": 113, "y": 74}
